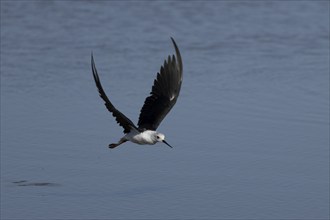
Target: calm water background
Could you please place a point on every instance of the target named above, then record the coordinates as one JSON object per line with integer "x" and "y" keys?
{"x": 250, "y": 129}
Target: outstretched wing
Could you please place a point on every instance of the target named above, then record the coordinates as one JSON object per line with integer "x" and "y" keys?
{"x": 164, "y": 93}
{"x": 121, "y": 119}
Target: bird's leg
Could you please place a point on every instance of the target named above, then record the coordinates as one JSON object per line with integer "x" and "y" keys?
{"x": 122, "y": 140}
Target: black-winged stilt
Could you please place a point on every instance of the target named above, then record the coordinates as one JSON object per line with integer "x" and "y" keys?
{"x": 163, "y": 96}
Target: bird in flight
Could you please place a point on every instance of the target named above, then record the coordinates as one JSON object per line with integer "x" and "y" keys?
{"x": 163, "y": 96}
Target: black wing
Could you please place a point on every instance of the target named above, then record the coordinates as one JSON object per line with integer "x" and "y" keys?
{"x": 164, "y": 93}
{"x": 121, "y": 119}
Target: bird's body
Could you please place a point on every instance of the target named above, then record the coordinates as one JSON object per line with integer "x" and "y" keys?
{"x": 163, "y": 96}
{"x": 145, "y": 137}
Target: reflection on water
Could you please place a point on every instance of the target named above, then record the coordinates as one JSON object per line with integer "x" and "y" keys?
{"x": 250, "y": 129}
{"x": 27, "y": 183}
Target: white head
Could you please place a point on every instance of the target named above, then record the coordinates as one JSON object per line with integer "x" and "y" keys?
{"x": 161, "y": 138}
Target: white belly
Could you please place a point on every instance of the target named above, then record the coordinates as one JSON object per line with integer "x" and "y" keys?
{"x": 146, "y": 137}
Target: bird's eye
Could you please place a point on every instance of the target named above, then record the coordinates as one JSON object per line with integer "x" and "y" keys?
{"x": 157, "y": 137}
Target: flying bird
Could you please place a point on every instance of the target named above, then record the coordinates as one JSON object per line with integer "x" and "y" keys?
{"x": 163, "y": 96}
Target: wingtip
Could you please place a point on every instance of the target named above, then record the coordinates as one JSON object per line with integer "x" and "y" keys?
{"x": 177, "y": 54}
{"x": 92, "y": 57}
{"x": 173, "y": 41}
{"x": 95, "y": 75}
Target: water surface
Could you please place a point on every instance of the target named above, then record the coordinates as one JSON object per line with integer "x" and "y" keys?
{"x": 250, "y": 129}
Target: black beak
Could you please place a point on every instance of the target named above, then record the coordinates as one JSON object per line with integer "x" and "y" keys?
{"x": 167, "y": 144}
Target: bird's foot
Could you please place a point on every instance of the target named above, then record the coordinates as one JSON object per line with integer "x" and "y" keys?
{"x": 117, "y": 144}
{"x": 113, "y": 145}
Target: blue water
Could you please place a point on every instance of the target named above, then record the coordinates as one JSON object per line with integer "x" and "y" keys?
{"x": 250, "y": 129}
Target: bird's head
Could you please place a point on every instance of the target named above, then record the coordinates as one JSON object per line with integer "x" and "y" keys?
{"x": 161, "y": 138}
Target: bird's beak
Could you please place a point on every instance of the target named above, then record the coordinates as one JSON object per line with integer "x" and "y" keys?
{"x": 167, "y": 144}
